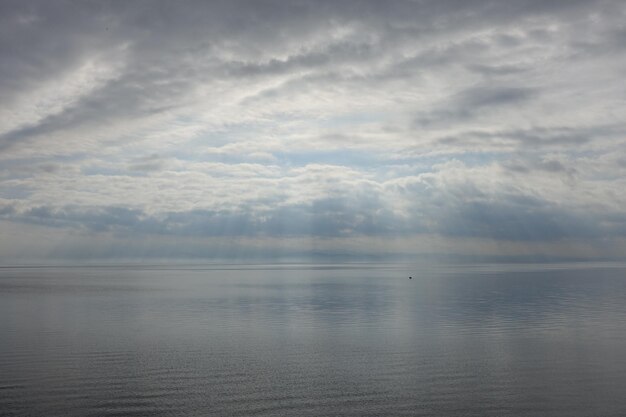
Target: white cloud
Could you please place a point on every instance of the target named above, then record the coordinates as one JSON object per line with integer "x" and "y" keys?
{"x": 479, "y": 120}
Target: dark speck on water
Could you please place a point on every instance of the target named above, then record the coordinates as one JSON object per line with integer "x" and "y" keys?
{"x": 314, "y": 340}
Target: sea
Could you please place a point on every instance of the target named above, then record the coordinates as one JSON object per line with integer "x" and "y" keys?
{"x": 290, "y": 339}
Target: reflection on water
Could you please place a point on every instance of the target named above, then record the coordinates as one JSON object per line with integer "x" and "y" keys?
{"x": 314, "y": 340}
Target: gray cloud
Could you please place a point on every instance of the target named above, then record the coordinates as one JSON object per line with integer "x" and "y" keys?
{"x": 463, "y": 209}
{"x": 321, "y": 119}
{"x": 484, "y": 96}
{"x": 471, "y": 102}
{"x": 537, "y": 137}
{"x": 147, "y": 164}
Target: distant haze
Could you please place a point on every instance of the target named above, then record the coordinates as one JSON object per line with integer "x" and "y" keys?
{"x": 358, "y": 129}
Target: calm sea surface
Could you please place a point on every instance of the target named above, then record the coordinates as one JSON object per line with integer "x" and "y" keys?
{"x": 314, "y": 340}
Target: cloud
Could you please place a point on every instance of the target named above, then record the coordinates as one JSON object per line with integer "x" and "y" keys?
{"x": 471, "y": 102}
{"x": 147, "y": 164}
{"x": 323, "y": 200}
{"x": 314, "y": 120}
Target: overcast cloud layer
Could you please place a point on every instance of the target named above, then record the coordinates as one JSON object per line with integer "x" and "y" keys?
{"x": 217, "y": 129}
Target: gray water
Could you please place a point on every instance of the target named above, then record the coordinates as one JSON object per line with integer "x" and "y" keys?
{"x": 314, "y": 340}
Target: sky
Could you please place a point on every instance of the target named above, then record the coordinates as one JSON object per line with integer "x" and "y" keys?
{"x": 304, "y": 129}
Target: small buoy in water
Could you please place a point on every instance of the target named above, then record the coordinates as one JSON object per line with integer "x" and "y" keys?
{"x": 410, "y": 277}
